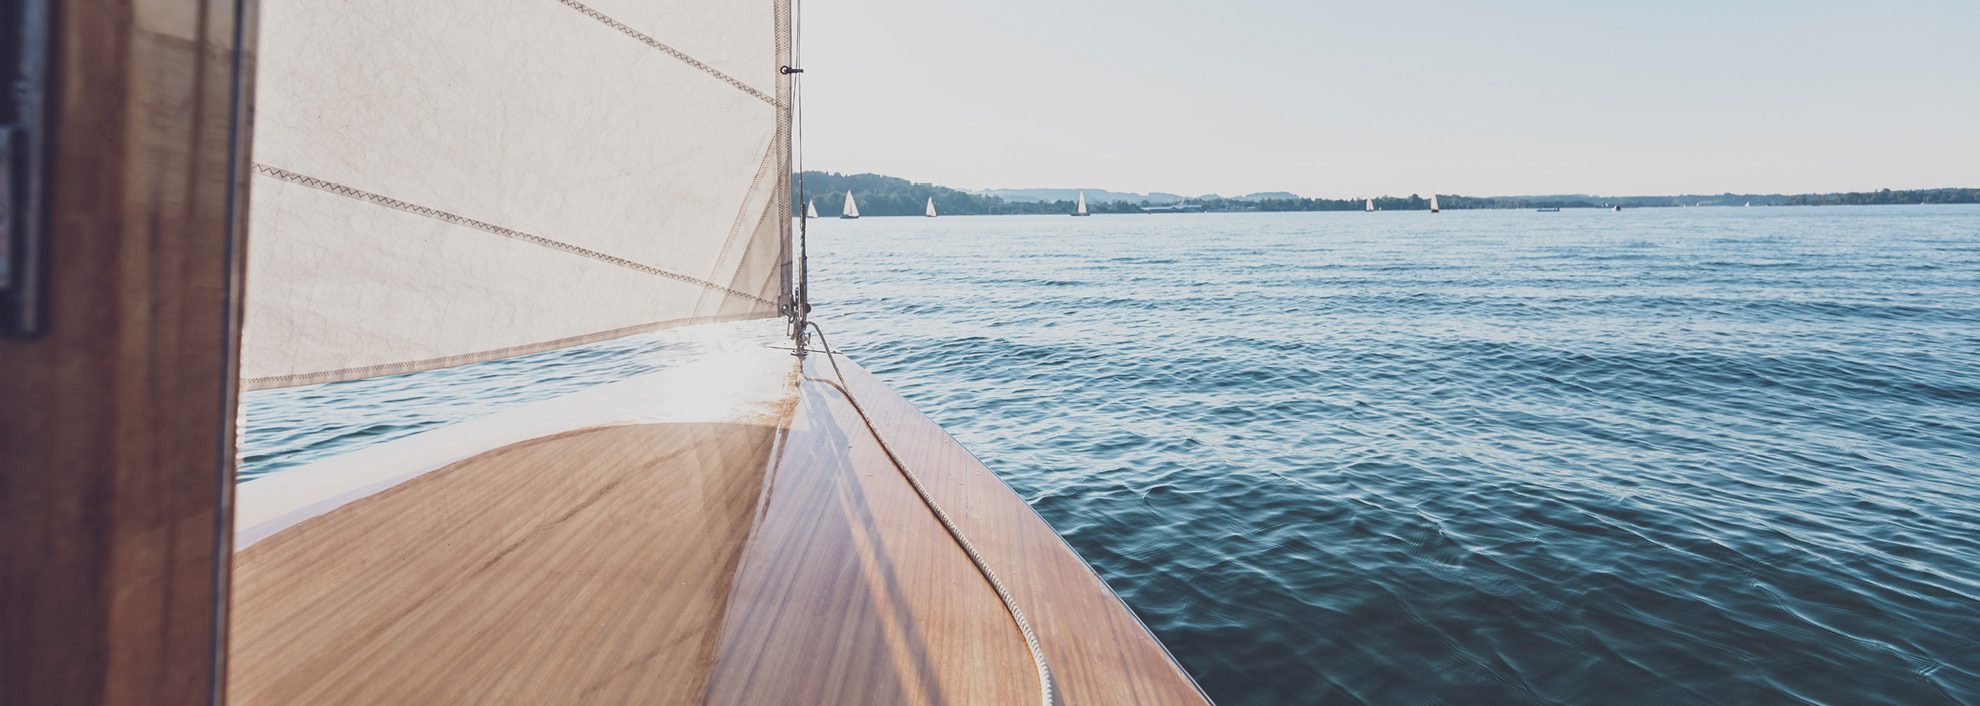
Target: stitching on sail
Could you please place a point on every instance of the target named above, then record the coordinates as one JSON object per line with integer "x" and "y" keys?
{"x": 643, "y": 38}
{"x": 484, "y": 226}
{"x": 412, "y": 366}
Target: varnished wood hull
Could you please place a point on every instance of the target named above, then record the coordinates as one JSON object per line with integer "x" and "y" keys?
{"x": 778, "y": 562}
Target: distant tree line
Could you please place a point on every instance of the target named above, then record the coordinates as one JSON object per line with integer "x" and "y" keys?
{"x": 1887, "y": 197}
{"x": 879, "y": 195}
{"x": 887, "y": 196}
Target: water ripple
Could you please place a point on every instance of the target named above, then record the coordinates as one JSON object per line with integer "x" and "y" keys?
{"x": 1658, "y": 456}
{"x": 1681, "y": 456}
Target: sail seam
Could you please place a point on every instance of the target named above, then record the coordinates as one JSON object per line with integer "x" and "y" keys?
{"x": 412, "y": 366}
{"x": 643, "y": 38}
{"x": 486, "y": 227}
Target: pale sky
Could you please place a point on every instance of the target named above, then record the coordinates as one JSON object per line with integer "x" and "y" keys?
{"x": 1346, "y": 99}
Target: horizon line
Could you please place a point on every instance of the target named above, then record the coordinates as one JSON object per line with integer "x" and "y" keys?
{"x": 1415, "y": 194}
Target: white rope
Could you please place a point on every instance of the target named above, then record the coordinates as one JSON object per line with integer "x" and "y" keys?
{"x": 1045, "y": 692}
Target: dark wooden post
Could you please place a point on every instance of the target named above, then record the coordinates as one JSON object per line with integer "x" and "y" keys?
{"x": 117, "y": 415}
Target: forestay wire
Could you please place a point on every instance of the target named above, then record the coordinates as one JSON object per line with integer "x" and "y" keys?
{"x": 1046, "y": 693}
{"x": 801, "y": 328}
{"x": 800, "y": 312}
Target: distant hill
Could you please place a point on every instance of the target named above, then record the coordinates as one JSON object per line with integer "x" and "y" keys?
{"x": 1159, "y": 198}
{"x": 1884, "y": 196}
{"x": 1092, "y": 195}
{"x": 880, "y": 195}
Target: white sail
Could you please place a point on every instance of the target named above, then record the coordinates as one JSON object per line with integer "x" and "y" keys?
{"x": 1082, "y": 204}
{"x": 931, "y": 207}
{"x": 851, "y": 209}
{"x": 1369, "y": 206}
{"x": 435, "y": 183}
{"x": 1433, "y": 204}
{"x": 810, "y": 209}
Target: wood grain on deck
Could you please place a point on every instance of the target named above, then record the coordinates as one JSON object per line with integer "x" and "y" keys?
{"x": 1098, "y": 650}
{"x": 592, "y": 565}
{"x": 786, "y": 563}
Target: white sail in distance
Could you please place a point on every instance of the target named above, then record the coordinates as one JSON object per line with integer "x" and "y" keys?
{"x": 810, "y": 209}
{"x": 1082, "y": 204}
{"x": 931, "y": 207}
{"x": 434, "y": 183}
{"x": 1369, "y": 206}
{"x": 851, "y": 209}
{"x": 1433, "y": 204}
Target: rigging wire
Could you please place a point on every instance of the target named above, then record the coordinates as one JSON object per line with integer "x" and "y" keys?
{"x": 801, "y": 299}
{"x": 801, "y": 328}
{"x": 1045, "y": 686}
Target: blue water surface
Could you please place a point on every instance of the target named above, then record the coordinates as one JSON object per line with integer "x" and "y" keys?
{"x": 1707, "y": 455}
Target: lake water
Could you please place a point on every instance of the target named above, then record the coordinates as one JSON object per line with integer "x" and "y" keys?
{"x": 1711, "y": 455}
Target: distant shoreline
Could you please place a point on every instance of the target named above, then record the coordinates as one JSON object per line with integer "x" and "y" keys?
{"x": 880, "y": 195}
{"x": 1097, "y": 212}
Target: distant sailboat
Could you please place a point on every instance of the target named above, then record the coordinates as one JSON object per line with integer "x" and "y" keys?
{"x": 1433, "y": 204}
{"x": 1749, "y": 204}
{"x": 810, "y": 209}
{"x": 1369, "y": 206}
{"x": 931, "y": 207}
{"x": 852, "y": 209}
{"x": 1081, "y": 211}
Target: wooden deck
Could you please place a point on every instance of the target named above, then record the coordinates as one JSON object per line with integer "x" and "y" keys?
{"x": 779, "y": 563}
